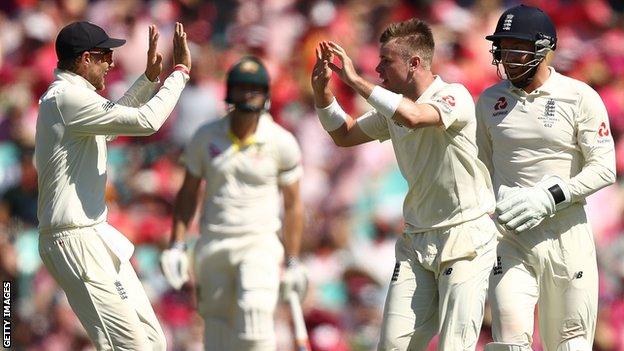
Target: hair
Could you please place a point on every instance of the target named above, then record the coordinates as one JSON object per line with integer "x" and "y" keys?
{"x": 68, "y": 64}
{"x": 415, "y": 36}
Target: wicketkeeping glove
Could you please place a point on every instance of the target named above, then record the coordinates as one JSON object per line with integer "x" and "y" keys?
{"x": 520, "y": 209}
{"x": 295, "y": 277}
{"x": 175, "y": 265}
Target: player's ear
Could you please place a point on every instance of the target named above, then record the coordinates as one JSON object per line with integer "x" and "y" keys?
{"x": 414, "y": 62}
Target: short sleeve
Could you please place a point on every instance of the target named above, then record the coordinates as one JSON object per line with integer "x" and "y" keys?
{"x": 289, "y": 159}
{"x": 375, "y": 125}
{"x": 192, "y": 156}
{"x": 455, "y": 105}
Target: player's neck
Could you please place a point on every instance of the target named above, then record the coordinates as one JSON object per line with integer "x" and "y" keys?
{"x": 244, "y": 124}
{"x": 540, "y": 77}
{"x": 421, "y": 83}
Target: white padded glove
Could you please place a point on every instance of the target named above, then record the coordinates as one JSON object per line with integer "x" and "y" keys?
{"x": 294, "y": 278}
{"x": 175, "y": 265}
{"x": 520, "y": 209}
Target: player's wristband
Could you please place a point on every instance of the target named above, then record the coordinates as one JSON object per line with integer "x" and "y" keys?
{"x": 558, "y": 191}
{"x": 182, "y": 68}
{"x": 332, "y": 116}
{"x": 384, "y": 101}
{"x": 292, "y": 261}
{"x": 179, "y": 245}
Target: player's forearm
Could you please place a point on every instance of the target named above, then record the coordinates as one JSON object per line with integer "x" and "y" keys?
{"x": 182, "y": 217}
{"x": 591, "y": 179}
{"x": 362, "y": 86}
{"x": 139, "y": 93}
{"x": 293, "y": 229}
{"x": 178, "y": 231}
{"x": 322, "y": 98}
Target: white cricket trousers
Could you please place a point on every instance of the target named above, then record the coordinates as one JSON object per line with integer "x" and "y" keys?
{"x": 554, "y": 266}
{"x": 237, "y": 290}
{"x": 439, "y": 285}
{"x": 104, "y": 292}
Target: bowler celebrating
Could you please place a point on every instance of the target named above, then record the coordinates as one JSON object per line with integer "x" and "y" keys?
{"x": 444, "y": 256}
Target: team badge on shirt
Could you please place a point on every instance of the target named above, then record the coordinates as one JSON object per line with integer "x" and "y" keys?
{"x": 549, "y": 117}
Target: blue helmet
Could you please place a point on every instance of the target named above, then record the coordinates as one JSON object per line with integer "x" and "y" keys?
{"x": 525, "y": 23}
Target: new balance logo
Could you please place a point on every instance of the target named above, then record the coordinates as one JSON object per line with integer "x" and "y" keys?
{"x": 498, "y": 268}
{"x": 448, "y": 271}
{"x": 108, "y": 105}
{"x": 395, "y": 274}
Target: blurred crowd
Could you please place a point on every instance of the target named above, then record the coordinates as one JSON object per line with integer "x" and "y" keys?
{"x": 353, "y": 197}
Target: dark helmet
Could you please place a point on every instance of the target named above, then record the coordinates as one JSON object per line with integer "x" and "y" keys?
{"x": 525, "y": 23}
{"x": 249, "y": 70}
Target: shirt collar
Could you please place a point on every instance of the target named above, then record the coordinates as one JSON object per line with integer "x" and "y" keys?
{"x": 261, "y": 135}
{"x": 73, "y": 78}
{"x": 431, "y": 89}
{"x": 548, "y": 88}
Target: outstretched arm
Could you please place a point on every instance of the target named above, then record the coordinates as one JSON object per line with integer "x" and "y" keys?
{"x": 341, "y": 127}
{"x": 402, "y": 110}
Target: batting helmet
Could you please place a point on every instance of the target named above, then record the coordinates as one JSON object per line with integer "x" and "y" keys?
{"x": 525, "y": 23}
{"x": 249, "y": 70}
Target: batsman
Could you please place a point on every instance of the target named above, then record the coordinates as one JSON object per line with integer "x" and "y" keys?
{"x": 447, "y": 249}
{"x": 246, "y": 161}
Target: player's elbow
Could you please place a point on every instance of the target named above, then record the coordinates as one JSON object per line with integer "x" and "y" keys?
{"x": 610, "y": 176}
{"x": 411, "y": 119}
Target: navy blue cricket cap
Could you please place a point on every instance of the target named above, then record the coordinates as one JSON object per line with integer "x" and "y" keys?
{"x": 78, "y": 37}
{"x": 525, "y": 23}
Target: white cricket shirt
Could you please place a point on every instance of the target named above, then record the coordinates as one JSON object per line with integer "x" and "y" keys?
{"x": 70, "y": 142}
{"x": 561, "y": 128}
{"x": 448, "y": 185}
{"x": 242, "y": 178}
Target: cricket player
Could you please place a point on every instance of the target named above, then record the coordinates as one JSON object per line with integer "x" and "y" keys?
{"x": 245, "y": 160}
{"x": 546, "y": 141}
{"x": 444, "y": 257}
{"x": 87, "y": 257}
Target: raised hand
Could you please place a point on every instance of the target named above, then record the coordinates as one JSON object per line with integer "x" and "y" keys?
{"x": 347, "y": 72}
{"x": 321, "y": 73}
{"x": 154, "y": 59}
{"x": 181, "y": 52}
